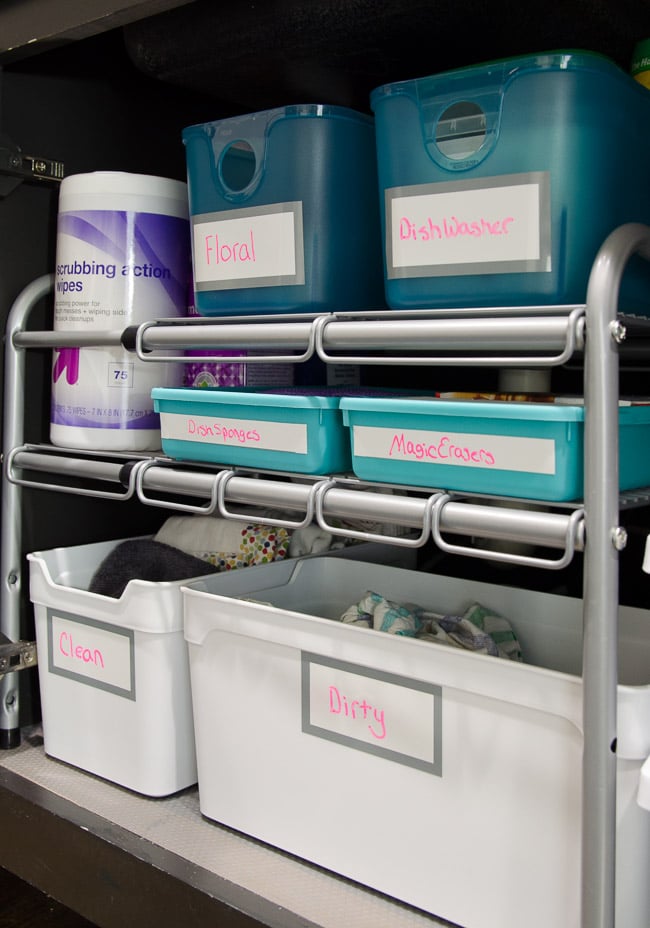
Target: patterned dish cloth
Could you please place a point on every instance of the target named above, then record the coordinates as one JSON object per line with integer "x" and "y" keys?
{"x": 224, "y": 543}
{"x": 478, "y": 629}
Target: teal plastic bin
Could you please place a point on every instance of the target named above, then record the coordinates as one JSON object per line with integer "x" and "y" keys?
{"x": 526, "y": 450}
{"x": 288, "y": 431}
{"x": 284, "y": 212}
{"x": 500, "y": 182}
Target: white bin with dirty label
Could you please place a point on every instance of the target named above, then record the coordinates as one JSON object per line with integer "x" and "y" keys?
{"x": 447, "y": 779}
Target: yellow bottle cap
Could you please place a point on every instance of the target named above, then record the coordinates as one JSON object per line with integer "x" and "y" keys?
{"x": 640, "y": 68}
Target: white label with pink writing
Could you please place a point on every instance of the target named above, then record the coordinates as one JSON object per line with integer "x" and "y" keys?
{"x": 250, "y": 247}
{"x": 456, "y": 449}
{"x": 91, "y": 652}
{"x": 370, "y": 710}
{"x": 239, "y": 433}
{"x": 487, "y": 226}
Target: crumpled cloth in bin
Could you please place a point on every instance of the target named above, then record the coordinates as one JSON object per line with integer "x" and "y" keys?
{"x": 479, "y": 629}
{"x": 224, "y": 543}
{"x": 144, "y": 559}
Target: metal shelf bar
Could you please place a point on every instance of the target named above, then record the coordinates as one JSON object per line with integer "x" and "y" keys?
{"x": 427, "y": 335}
{"x": 111, "y": 338}
{"x": 546, "y": 529}
{"x": 94, "y": 470}
{"x": 491, "y": 336}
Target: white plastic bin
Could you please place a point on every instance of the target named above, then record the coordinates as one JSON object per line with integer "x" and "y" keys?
{"x": 113, "y": 673}
{"x": 462, "y": 795}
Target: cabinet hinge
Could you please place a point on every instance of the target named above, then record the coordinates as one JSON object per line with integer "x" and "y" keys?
{"x": 16, "y": 167}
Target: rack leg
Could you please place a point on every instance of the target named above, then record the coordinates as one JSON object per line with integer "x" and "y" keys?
{"x": 603, "y": 542}
{"x": 10, "y": 532}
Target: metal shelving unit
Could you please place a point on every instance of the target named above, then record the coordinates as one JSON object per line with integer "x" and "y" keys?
{"x": 530, "y": 336}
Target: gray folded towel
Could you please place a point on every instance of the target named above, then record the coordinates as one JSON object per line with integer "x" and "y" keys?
{"x": 144, "y": 559}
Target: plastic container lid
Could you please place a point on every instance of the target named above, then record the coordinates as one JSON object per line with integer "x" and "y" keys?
{"x": 482, "y": 409}
{"x": 242, "y": 397}
{"x": 267, "y": 117}
{"x": 507, "y": 68}
{"x": 121, "y": 183}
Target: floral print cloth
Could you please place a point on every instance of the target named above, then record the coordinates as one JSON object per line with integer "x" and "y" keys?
{"x": 226, "y": 544}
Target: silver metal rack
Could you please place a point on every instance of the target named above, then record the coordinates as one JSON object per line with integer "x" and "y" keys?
{"x": 319, "y": 498}
{"x": 502, "y": 337}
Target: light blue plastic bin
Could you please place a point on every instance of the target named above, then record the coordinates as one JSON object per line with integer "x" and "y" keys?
{"x": 284, "y": 212}
{"x": 247, "y": 428}
{"x": 525, "y": 450}
{"x": 500, "y": 182}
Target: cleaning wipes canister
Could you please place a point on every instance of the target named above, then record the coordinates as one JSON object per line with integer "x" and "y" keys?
{"x": 122, "y": 258}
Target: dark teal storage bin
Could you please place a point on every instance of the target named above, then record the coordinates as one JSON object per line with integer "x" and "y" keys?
{"x": 284, "y": 212}
{"x": 500, "y": 182}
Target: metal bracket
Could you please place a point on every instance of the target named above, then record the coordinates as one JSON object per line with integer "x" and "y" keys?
{"x": 324, "y": 486}
{"x": 16, "y": 655}
{"x": 16, "y": 167}
{"x": 572, "y": 527}
{"x": 206, "y": 509}
{"x": 262, "y": 519}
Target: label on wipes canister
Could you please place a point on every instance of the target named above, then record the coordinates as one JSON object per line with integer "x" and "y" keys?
{"x": 114, "y": 269}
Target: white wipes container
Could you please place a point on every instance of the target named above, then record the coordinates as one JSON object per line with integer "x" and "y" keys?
{"x": 122, "y": 258}
{"x": 447, "y": 779}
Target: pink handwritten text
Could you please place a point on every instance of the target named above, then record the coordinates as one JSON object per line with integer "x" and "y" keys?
{"x": 225, "y": 434}
{"x": 355, "y": 709}
{"x": 79, "y": 652}
{"x": 452, "y": 227}
{"x": 219, "y": 252}
{"x": 442, "y": 450}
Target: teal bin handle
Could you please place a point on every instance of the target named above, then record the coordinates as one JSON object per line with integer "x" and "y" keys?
{"x": 239, "y": 148}
{"x": 460, "y": 116}
{"x": 237, "y": 151}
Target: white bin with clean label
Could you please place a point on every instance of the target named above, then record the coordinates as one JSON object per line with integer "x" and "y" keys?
{"x": 447, "y": 779}
{"x": 113, "y": 673}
